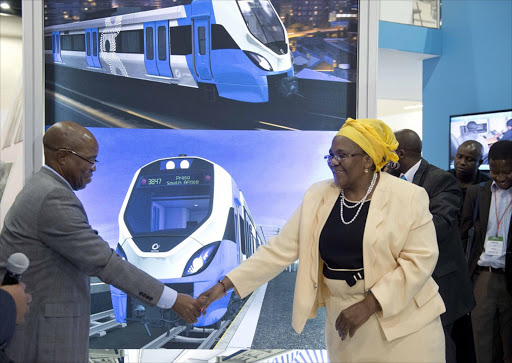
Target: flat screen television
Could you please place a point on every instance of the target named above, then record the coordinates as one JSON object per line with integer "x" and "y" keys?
{"x": 484, "y": 127}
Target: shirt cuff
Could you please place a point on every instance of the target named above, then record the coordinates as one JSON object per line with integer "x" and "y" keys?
{"x": 168, "y": 298}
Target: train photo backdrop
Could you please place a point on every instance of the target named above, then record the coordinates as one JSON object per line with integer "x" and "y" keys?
{"x": 194, "y": 104}
{"x": 202, "y": 64}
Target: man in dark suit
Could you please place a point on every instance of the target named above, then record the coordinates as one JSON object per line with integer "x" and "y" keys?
{"x": 451, "y": 272}
{"x": 48, "y": 223}
{"x": 490, "y": 255}
{"x": 14, "y": 304}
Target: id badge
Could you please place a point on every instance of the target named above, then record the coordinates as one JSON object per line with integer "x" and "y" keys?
{"x": 494, "y": 246}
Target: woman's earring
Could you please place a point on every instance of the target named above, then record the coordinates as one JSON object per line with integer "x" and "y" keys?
{"x": 366, "y": 170}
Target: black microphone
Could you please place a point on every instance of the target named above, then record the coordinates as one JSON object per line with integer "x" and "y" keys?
{"x": 17, "y": 263}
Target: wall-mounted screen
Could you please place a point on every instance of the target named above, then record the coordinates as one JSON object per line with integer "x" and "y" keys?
{"x": 484, "y": 127}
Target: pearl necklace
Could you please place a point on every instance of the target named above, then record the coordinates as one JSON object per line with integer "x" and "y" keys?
{"x": 360, "y": 203}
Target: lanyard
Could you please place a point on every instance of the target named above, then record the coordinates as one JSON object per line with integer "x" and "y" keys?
{"x": 496, "y": 209}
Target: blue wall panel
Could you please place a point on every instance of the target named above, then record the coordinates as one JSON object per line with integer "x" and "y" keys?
{"x": 474, "y": 72}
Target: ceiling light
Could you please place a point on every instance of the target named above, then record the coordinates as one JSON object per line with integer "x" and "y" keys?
{"x": 413, "y": 107}
{"x": 5, "y": 6}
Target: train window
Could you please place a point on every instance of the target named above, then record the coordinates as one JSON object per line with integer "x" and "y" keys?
{"x": 230, "y": 232}
{"x": 66, "y": 42}
{"x": 88, "y": 37}
{"x": 78, "y": 42}
{"x": 221, "y": 38}
{"x": 48, "y": 43}
{"x": 161, "y": 43}
{"x": 130, "y": 41}
{"x": 181, "y": 40}
{"x": 201, "y": 37}
{"x": 149, "y": 44}
{"x": 95, "y": 44}
{"x": 242, "y": 234}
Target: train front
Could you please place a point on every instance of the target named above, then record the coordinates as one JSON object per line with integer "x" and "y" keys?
{"x": 251, "y": 59}
{"x": 173, "y": 226}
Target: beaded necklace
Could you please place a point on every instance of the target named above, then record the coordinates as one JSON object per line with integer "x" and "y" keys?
{"x": 360, "y": 203}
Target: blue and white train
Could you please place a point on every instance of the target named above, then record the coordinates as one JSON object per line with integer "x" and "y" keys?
{"x": 185, "y": 222}
{"x": 237, "y": 49}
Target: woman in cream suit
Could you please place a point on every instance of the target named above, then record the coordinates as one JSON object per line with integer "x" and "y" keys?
{"x": 367, "y": 247}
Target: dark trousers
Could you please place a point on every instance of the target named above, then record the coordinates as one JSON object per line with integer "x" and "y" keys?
{"x": 462, "y": 335}
{"x": 493, "y": 312}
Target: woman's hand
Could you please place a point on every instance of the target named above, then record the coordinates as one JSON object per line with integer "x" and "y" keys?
{"x": 214, "y": 293}
{"x": 353, "y": 317}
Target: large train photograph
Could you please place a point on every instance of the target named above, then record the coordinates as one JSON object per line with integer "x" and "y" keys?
{"x": 201, "y": 64}
{"x": 235, "y": 49}
{"x": 184, "y": 221}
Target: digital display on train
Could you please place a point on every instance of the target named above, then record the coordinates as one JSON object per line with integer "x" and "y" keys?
{"x": 173, "y": 180}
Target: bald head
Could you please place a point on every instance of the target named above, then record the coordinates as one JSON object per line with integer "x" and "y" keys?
{"x": 67, "y": 135}
{"x": 71, "y": 150}
{"x": 409, "y": 148}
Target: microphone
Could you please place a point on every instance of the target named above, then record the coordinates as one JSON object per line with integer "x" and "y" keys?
{"x": 17, "y": 263}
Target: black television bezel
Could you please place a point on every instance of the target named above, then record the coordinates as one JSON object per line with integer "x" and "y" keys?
{"x": 450, "y": 131}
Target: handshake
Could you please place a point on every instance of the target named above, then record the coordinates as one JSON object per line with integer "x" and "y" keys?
{"x": 190, "y": 309}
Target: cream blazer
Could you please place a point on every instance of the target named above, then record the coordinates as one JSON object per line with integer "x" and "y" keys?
{"x": 399, "y": 255}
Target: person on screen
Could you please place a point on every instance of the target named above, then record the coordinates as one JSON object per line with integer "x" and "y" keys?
{"x": 508, "y": 134}
{"x": 445, "y": 199}
{"x": 48, "y": 223}
{"x": 472, "y": 134}
{"x": 367, "y": 247}
{"x": 490, "y": 255}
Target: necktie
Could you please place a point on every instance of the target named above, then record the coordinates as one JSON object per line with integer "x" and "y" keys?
{"x": 403, "y": 177}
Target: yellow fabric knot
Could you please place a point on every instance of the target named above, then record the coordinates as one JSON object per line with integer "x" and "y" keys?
{"x": 374, "y": 137}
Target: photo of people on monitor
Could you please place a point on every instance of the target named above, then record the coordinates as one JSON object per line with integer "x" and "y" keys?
{"x": 485, "y": 127}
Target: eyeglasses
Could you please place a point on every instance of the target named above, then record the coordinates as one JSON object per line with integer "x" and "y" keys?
{"x": 340, "y": 157}
{"x": 92, "y": 162}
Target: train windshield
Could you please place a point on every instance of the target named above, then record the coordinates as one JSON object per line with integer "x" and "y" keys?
{"x": 171, "y": 203}
{"x": 264, "y": 24}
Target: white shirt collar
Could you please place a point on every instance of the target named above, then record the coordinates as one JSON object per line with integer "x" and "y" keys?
{"x": 60, "y": 176}
{"x": 409, "y": 174}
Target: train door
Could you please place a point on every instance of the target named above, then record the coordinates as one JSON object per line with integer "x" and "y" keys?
{"x": 156, "y": 48}
{"x": 91, "y": 48}
{"x": 162, "y": 48}
{"x": 56, "y": 47}
{"x": 202, "y": 48}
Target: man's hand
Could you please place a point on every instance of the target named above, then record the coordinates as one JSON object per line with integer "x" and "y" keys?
{"x": 187, "y": 307}
{"x": 353, "y": 317}
{"x": 21, "y": 299}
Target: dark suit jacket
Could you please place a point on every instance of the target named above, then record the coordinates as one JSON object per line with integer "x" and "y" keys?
{"x": 7, "y": 322}
{"x": 481, "y": 221}
{"x": 47, "y": 223}
{"x": 451, "y": 272}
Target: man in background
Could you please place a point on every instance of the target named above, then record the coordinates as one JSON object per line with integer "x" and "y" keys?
{"x": 451, "y": 272}
{"x": 490, "y": 256}
{"x": 468, "y": 159}
{"x": 472, "y": 134}
{"x": 48, "y": 223}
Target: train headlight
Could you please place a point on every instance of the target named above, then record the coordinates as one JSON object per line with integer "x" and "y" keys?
{"x": 201, "y": 259}
{"x": 259, "y": 60}
{"x": 170, "y": 165}
{"x": 185, "y": 164}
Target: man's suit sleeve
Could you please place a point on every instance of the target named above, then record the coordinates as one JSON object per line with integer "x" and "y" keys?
{"x": 467, "y": 213}
{"x": 63, "y": 226}
{"x": 445, "y": 201}
{"x": 7, "y": 318}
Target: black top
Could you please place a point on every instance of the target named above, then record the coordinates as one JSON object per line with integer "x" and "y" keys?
{"x": 341, "y": 245}
{"x": 480, "y": 177}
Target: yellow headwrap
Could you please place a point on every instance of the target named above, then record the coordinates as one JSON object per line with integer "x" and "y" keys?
{"x": 374, "y": 137}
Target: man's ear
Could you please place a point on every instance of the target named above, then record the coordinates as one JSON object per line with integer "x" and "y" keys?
{"x": 60, "y": 156}
{"x": 400, "y": 153}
